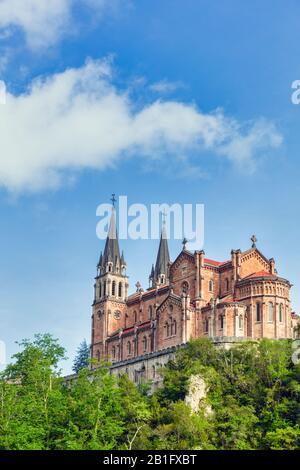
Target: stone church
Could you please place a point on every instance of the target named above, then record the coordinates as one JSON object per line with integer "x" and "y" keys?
{"x": 193, "y": 296}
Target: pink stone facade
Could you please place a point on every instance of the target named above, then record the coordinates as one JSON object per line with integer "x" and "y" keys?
{"x": 243, "y": 297}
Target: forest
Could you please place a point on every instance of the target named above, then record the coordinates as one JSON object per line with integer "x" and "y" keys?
{"x": 252, "y": 401}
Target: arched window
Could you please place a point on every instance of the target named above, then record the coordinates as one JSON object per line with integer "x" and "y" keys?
{"x": 221, "y": 322}
{"x": 167, "y": 328}
{"x": 120, "y": 289}
{"x": 258, "y": 312}
{"x": 109, "y": 268}
{"x": 270, "y": 312}
{"x": 185, "y": 287}
{"x": 100, "y": 290}
{"x": 227, "y": 285}
{"x": 145, "y": 344}
{"x": 280, "y": 313}
{"x": 174, "y": 327}
{"x": 104, "y": 288}
{"x": 206, "y": 325}
{"x": 134, "y": 317}
{"x": 240, "y": 322}
{"x": 211, "y": 285}
{"x": 150, "y": 312}
{"x": 153, "y": 372}
{"x": 113, "y": 288}
{"x": 129, "y": 348}
{"x": 98, "y": 355}
{"x": 113, "y": 352}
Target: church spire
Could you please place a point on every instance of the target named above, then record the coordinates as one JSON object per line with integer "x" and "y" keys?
{"x": 111, "y": 260}
{"x": 159, "y": 275}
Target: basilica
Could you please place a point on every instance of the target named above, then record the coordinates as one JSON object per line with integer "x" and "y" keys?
{"x": 193, "y": 296}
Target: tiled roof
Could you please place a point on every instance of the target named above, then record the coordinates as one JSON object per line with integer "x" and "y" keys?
{"x": 144, "y": 324}
{"x": 130, "y": 329}
{"x": 260, "y": 274}
{"x": 228, "y": 299}
{"x": 214, "y": 263}
{"x": 225, "y": 300}
{"x": 136, "y": 295}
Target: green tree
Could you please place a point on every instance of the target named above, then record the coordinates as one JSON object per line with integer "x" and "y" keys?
{"x": 284, "y": 439}
{"x": 31, "y": 395}
{"x": 95, "y": 413}
{"x": 252, "y": 401}
{"x": 82, "y": 358}
{"x": 181, "y": 429}
{"x": 137, "y": 415}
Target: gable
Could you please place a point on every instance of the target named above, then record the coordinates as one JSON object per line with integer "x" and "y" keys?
{"x": 183, "y": 272}
{"x": 171, "y": 299}
{"x": 253, "y": 261}
{"x": 185, "y": 259}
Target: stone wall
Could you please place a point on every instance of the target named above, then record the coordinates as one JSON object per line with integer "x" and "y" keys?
{"x": 146, "y": 367}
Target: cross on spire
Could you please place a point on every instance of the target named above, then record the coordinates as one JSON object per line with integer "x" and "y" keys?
{"x": 184, "y": 242}
{"x": 254, "y": 240}
{"x": 113, "y": 199}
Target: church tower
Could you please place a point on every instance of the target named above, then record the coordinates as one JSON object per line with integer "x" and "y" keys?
{"x": 160, "y": 273}
{"x": 111, "y": 277}
{"x": 111, "y": 290}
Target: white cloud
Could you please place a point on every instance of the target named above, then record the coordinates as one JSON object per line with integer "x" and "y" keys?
{"x": 243, "y": 147}
{"x": 165, "y": 86}
{"x": 44, "y": 22}
{"x": 78, "y": 119}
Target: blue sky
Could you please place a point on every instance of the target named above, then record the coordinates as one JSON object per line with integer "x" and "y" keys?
{"x": 121, "y": 97}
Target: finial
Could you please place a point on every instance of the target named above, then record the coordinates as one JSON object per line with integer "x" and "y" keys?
{"x": 113, "y": 199}
{"x": 152, "y": 273}
{"x": 138, "y": 286}
{"x": 254, "y": 240}
{"x": 184, "y": 242}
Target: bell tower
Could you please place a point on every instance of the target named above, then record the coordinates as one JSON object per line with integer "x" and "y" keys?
{"x": 111, "y": 290}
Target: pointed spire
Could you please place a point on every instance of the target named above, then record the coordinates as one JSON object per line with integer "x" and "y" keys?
{"x": 152, "y": 273}
{"x": 151, "y": 277}
{"x": 100, "y": 260}
{"x": 162, "y": 260}
{"x": 111, "y": 252}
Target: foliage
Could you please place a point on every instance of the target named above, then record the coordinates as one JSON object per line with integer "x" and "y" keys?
{"x": 82, "y": 359}
{"x": 252, "y": 401}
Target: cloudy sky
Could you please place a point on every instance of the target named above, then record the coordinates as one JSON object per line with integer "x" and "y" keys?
{"x": 164, "y": 101}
